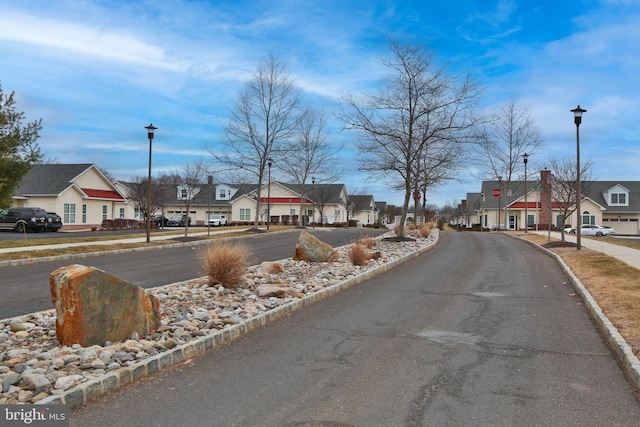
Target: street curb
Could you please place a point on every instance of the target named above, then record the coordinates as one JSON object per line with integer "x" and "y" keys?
{"x": 118, "y": 378}
{"x": 620, "y": 348}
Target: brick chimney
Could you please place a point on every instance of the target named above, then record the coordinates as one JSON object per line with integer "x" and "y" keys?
{"x": 546, "y": 180}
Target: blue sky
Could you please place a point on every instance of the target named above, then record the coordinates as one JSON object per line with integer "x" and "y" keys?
{"x": 98, "y": 72}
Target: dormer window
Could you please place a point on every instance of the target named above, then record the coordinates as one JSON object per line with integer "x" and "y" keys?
{"x": 222, "y": 194}
{"x": 618, "y": 199}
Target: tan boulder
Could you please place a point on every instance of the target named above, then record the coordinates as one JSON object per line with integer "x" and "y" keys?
{"x": 278, "y": 290}
{"x": 310, "y": 248}
{"x": 93, "y": 307}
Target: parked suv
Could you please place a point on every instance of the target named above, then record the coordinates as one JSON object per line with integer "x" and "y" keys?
{"x": 217, "y": 220}
{"x": 54, "y": 221}
{"x": 178, "y": 221}
{"x": 23, "y": 219}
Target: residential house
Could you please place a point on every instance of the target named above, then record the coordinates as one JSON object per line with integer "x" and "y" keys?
{"x": 80, "y": 193}
{"x": 286, "y": 202}
{"x": 363, "y": 209}
{"x": 85, "y": 197}
{"x": 612, "y": 203}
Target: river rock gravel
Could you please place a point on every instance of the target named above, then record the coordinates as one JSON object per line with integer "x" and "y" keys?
{"x": 33, "y": 364}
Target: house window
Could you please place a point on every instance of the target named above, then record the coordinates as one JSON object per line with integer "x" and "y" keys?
{"x": 104, "y": 212}
{"x": 84, "y": 214}
{"x": 70, "y": 213}
{"x": 618, "y": 199}
{"x": 122, "y": 213}
{"x": 136, "y": 213}
{"x": 587, "y": 218}
{"x": 223, "y": 193}
{"x": 245, "y": 214}
{"x": 292, "y": 211}
{"x": 184, "y": 194}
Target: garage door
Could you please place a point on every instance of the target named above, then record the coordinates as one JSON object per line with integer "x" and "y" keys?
{"x": 623, "y": 225}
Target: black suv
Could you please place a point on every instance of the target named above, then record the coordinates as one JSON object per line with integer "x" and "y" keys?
{"x": 54, "y": 222}
{"x": 23, "y": 219}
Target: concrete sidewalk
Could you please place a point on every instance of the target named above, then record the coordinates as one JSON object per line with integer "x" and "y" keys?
{"x": 627, "y": 255}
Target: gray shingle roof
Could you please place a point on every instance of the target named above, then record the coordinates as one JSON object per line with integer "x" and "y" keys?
{"x": 50, "y": 179}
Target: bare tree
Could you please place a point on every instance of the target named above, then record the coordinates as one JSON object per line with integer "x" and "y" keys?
{"x": 138, "y": 193}
{"x": 505, "y": 139}
{"x": 263, "y": 120}
{"x": 311, "y": 156}
{"x": 420, "y": 106}
{"x": 191, "y": 178}
{"x": 564, "y": 186}
{"x": 322, "y": 197}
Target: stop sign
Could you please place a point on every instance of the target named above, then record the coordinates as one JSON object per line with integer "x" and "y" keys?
{"x": 496, "y": 193}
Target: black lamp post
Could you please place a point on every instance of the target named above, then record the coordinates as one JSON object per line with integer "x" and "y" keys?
{"x": 313, "y": 201}
{"x": 525, "y": 157}
{"x": 269, "y": 163}
{"x": 209, "y": 184}
{"x": 499, "y": 198}
{"x": 150, "y": 130}
{"x": 577, "y": 118}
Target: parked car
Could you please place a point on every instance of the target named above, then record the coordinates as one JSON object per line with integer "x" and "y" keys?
{"x": 54, "y": 222}
{"x": 23, "y": 219}
{"x": 160, "y": 221}
{"x": 178, "y": 221}
{"x": 218, "y": 220}
{"x": 592, "y": 230}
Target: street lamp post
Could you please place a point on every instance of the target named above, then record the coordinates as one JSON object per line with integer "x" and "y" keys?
{"x": 150, "y": 130}
{"x": 526, "y": 212}
{"x": 577, "y": 118}
{"x": 313, "y": 201}
{"x": 499, "y": 198}
{"x": 209, "y": 183}
{"x": 269, "y": 163}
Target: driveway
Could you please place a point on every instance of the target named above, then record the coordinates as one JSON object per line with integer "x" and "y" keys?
{"x": 481, "y": 330}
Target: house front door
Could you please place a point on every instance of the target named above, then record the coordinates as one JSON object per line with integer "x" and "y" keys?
{"x": 513, "y": 222}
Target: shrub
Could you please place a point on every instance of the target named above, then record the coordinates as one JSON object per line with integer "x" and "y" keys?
{"x": 358, "y": 254}
{"x": 225, "y": 263}
{"x": 368, "y": 242}
{"x": 425, "y": 228}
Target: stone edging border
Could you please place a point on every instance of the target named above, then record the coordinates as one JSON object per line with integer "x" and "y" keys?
{"x": 118, "y": 378}
{"x": 621, "y": 349}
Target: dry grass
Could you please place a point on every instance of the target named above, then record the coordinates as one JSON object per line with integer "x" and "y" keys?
{"x": 225, "y": 263}
{"x": 358, "y": 254}
{"x": 613, "y": 284}
{"x": 368, "y": 242}
{"x": 425, "y": 228}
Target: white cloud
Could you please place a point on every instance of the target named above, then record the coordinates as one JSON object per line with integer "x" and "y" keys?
{"x": 118, "y": 45}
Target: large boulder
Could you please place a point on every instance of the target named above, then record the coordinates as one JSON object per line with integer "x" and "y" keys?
{"x": 310, "y": 248}
{"x": 93, "y": 307}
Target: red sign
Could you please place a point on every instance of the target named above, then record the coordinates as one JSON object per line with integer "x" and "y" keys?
{"x": 496, "y": 193}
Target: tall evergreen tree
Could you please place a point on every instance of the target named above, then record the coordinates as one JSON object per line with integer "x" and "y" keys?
{"x": 18, "y": 148}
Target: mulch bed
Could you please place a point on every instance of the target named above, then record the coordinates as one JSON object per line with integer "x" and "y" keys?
{"x": 559, "y": 245}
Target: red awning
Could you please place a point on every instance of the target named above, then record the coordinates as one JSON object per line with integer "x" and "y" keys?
{"x": 285, "y": 200}
{"x": 103, "y": 194}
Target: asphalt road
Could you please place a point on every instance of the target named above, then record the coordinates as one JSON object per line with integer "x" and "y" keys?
{"x": 479, "y": 331}
{"x": 25, "y": 288}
